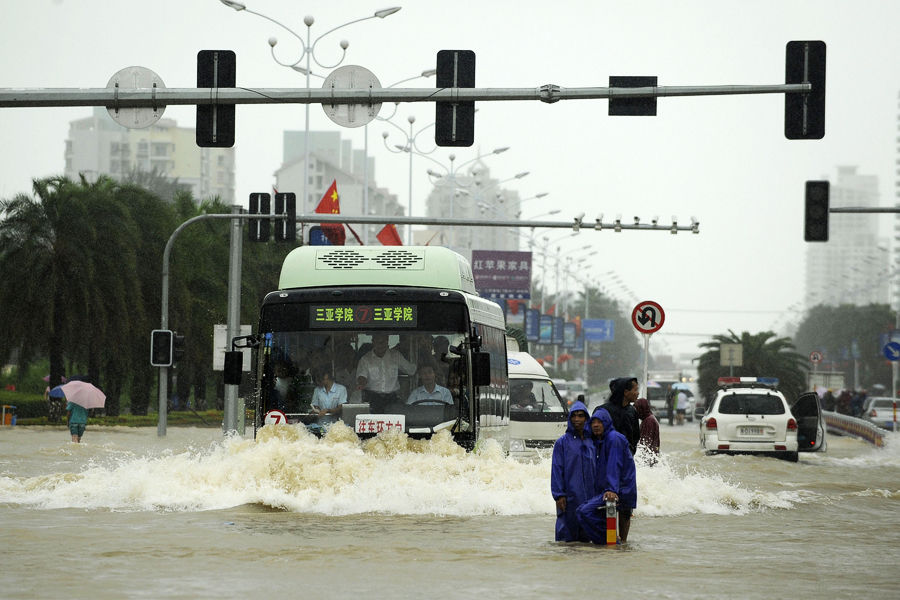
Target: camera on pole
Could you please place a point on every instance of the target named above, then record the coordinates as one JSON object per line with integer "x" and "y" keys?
{"x": 454, "y": 123}
{"x": 815, "y": 216}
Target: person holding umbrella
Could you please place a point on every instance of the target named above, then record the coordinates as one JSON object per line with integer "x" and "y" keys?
{"x": 80, "y": 396}
{"x": 77, "y": 419}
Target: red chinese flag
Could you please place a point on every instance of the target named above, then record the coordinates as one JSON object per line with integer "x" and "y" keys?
{"x": 388, "y": 236}
{"x": 331, "y": 204}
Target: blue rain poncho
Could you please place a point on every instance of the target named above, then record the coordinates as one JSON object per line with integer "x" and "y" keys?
{"x": 614, "y": 472}
{"x": 573, "y": 476}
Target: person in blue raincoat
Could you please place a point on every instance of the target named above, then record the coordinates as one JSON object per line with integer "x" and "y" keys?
{"x": 616, "y": 480}
{"x": 572, "y": 474}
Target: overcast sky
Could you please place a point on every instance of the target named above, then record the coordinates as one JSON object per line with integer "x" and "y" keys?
{"x": 721, "y": 159}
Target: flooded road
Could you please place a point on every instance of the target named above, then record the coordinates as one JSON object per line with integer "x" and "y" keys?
{"x": 129, "y": 515}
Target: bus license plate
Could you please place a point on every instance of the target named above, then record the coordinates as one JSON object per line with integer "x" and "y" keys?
{"x": 379, "y": 423}
{"x": 752, "y": 430}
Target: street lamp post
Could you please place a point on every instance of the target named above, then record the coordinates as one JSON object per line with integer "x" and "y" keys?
{"x": 308, "y": 53}
{"x": 412, "y": 148}
{"x": 423, "y": 74}
{"x": 449, "y": 177}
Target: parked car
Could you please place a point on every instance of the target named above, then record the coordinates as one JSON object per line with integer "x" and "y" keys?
{"x": 750, "y": 415}
{"x": 879, "y": 410}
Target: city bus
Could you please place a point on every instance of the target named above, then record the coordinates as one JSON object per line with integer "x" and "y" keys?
{"x": 332, "y": 304}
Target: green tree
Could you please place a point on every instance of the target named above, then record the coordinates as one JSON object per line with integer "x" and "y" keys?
{"x": 764, "y": 355}
{"x": 846, "y": 334}
{"x": 45, "y": 264}
{"x": 156, "y": 220}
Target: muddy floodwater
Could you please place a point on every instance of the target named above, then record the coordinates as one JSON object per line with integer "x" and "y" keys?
{"x": 129, "y": 515}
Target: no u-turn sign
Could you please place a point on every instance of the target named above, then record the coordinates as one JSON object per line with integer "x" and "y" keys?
{"x": 648, "y": 317}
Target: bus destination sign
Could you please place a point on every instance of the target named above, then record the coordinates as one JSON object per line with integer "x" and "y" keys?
{"x": 338, "y": 316}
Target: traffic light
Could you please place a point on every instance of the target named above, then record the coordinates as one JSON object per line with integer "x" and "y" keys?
{"x": 177, "y": 347}
{"x": 260, "y": 204}
{"x": 454, "y": 123}
{"x": 215, "y": 122}
{"x": 815, "y": 221}
{"x": 161, "y": 348}
{"x": 286, "y": 204}
{"x": 804, "y": 113}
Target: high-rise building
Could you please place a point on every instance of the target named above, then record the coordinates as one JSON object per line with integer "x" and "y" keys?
{"x": 472, "y": 194}
{"x": 97, "y": 145}
{"x": 334, "y": 159}
{"x": 853, "y": 266}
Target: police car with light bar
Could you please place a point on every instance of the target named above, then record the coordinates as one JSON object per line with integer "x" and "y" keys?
{"x": 749, "y": 415}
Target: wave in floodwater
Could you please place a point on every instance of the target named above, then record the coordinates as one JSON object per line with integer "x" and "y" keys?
{"x": 287, "y": 468}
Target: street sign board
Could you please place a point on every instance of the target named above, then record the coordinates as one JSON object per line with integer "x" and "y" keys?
{"x": 892, "y": 351}
{"x": 598, "y": 330}
{"x": 352, "y": 77}
{"x": 648, "y": 317}
{"x": 731, "y": 355}
{"x": 815, "y": 357}
{"x": 546, "y": 333}
{"x": 532, "y": 325}
{"x": 557, "y": 333}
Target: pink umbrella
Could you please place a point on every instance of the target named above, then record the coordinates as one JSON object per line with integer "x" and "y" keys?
{"x": 83, "y": 394}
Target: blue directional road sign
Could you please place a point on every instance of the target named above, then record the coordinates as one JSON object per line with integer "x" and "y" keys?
{"x": 598, "y": 330}
{"x": 891, "y": 351}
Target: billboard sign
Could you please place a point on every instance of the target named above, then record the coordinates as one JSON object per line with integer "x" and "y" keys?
{"x": 502, "y": 273}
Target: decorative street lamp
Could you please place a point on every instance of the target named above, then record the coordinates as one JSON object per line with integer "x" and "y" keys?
{"x": 309, "y": 53}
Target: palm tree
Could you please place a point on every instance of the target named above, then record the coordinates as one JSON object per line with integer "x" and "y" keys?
{"x": 764, "y": 355}
{"x": 45, "y": 257}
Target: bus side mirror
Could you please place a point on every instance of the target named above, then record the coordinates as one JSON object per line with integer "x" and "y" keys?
{"x": 233, "y": 363}
{"x": 481, "y": 368}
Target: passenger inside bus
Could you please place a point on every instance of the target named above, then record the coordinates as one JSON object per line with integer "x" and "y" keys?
{"x": 377, "y": 374}
{"x": 429, "y": 393}
{"x": 328, "y": 397}
{"x": 284, "y": 393}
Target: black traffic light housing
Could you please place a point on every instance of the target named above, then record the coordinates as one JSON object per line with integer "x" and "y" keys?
{"x": 177, "y": 347}
{"x": 260, "y": 204}
{"x": 815, "y": 215}
{"x": 454, "y": 123}
{"x": 286, "y": 229}
{"x": 161, "y": 343}
{"x": 804, "y": 113}
{"x": 215, "y": 122}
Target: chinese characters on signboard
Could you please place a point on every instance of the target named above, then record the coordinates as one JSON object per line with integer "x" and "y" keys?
{"x": 502, "y": 274}
{"x": 362, "y": 315}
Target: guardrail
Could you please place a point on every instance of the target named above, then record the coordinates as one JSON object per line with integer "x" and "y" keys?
{"x": 858, "y": 428}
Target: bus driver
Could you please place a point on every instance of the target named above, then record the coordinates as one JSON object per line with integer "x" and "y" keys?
{"x": 377, "y": 373}
{"x": 429, "y": 393}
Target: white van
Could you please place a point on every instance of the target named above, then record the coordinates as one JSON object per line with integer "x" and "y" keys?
{"x": 537, "y": 413}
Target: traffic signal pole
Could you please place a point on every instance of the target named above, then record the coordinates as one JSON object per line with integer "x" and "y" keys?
{"x": 230, "y": 423}
{"x": 550, "y": 93}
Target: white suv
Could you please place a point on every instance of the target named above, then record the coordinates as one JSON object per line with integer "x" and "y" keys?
{"x": 749, "y": 415}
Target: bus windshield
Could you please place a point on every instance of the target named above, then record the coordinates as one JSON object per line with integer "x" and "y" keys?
{"x": 372, "y": 366}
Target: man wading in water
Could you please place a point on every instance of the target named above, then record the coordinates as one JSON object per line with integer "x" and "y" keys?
{"x": 572, "y": 474}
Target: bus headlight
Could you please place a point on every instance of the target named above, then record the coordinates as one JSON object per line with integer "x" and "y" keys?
{"x": 517, "y": 445}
